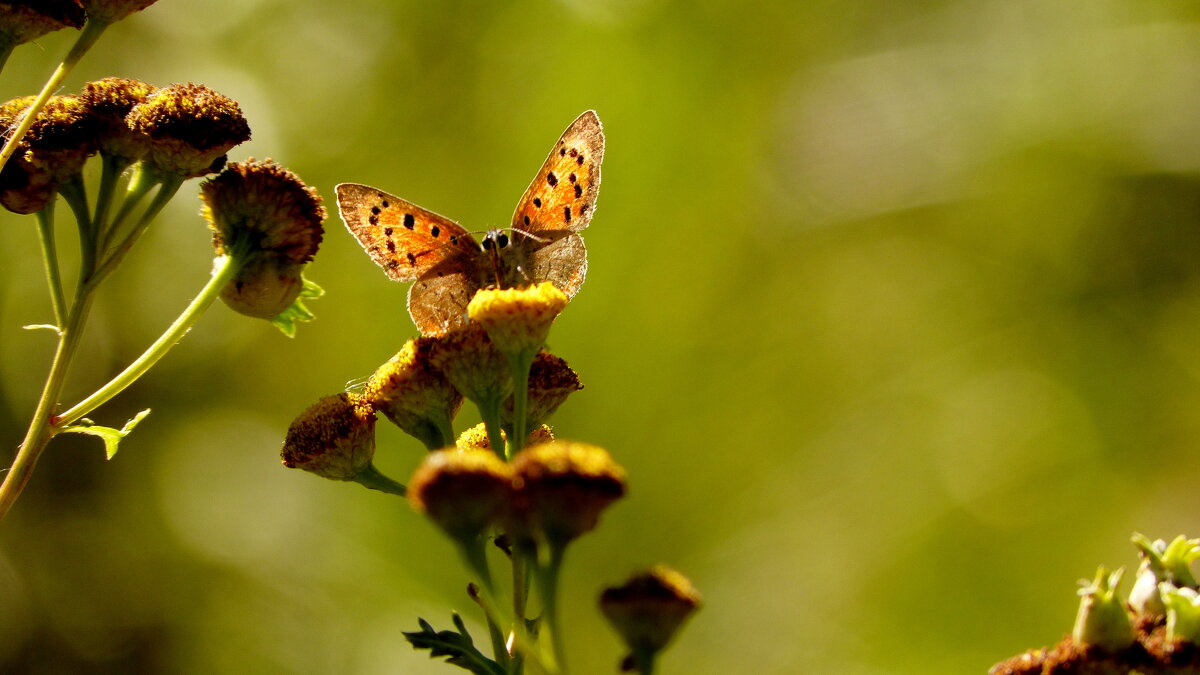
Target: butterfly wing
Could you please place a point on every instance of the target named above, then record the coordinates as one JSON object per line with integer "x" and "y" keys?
{"x": 562, "y": 195}
{"x": 561, "y": 261}
{"x": 404, "y": 239}
{"x": 437, "y": 302}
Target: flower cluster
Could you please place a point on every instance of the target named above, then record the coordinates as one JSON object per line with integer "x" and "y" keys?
{"x": 506, "y": 480}
{"x": 1155, "y": 629}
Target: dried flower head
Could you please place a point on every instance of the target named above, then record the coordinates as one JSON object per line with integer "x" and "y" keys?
{"x": 414, "y": 395}
{"x": 560, "y": 488}
{"x": 55, "y": 149}
{"x": 265, "y": 216}
{"x": 649, "y": 609}
{"x": 110, "y": 101}
{"x": 463, "y": 492}
{"x": 518, "y": 319}
{"x": 334, "y": 438}
{"x": 25, "y": 20}
{"x": 190, "y": 127}
{"x": 472, "y": 364}
{"x": 110, "y": 11}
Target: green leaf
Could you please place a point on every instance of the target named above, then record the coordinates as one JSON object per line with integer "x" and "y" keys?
{"x": 112, "y": 437}
{"x": 286, "y": 320}
{"x": 457, "y": 647}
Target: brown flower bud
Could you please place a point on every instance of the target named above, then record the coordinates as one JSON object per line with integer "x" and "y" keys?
{"x": 334, "y": 438}
{"x": 190, "y": 128}
{"x": 462, "y": 492}
{"x": 560, "y": 489}
{"x": 110, "y": 101}
{"x": 109, "y": 11}
{"x": 25, "y": 20}
{"x": 551, "y": 381}
{"x": 649, "y": 608}
{"x": 415, "y": 396}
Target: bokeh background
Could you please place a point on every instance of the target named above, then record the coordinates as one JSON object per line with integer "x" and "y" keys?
{"x": 892, "y": 317}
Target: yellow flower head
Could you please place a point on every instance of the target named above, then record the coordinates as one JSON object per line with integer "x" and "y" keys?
{"x": 649, "y": 608}
{"x": 476, "y": 438}
{"x": 190, "y": 127}
{"x": 110, "y": 101}
{"x": 518, "y": 319}
{"x": 462, "y": 492}
{"x": 21, "y": 22}
{"x": 334, "y": 438}
{"x": 414, "y": 395}
{"x": 560, "y": 489}
{"x": 473, "y": 365}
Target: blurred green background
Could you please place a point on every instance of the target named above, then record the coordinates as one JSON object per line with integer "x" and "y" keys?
{"x": 892, "y": 317}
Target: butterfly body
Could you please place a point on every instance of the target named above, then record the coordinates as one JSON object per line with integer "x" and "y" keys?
{"x": 448, "y": 265}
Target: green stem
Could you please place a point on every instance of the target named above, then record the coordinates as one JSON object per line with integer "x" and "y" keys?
{"x": 519, "y": 364}
{"x": 224, "y": 269}
{"x": 166, "y": 191}
{"x": 87, "y": 37}
{"x": 74, "y": 193}
{"x": 489, "y": 412}
{"x": 58, "y": 299}
{"x": 42, "y": 426}
{"x": 110, "y": 174}
{"x": 547, "y": 577}
{"x": 520, "y": 585}
{"x": 372, "y": 478}
{"x": 499, "y": 648}
{"x": 643, "y": 660}
{"x": 141, "y": 181}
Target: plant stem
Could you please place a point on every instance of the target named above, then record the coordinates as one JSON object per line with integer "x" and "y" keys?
{"x": 58, "y": 299}
{"x": 87, "y": 37}
{"x": 520, "y": 590}
{"x": 547, "y": 576}
{"x": 489, "y": 412}
{"x": 224, "y": 269}
{"x": 113, "y": 257}
{"x": 519, "y": 364}
{"x": 110, "y": 173}
{"x": 75, "y": 195}
{"x": 41, "y": 429}
{"x": 371, "y": 478}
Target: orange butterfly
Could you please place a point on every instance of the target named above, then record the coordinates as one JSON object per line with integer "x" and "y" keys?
{"x": 448, "y": 265}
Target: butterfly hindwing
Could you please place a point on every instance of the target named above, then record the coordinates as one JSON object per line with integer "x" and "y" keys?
{"x": 562, "y": 195}
{"x": 402, "y": 238}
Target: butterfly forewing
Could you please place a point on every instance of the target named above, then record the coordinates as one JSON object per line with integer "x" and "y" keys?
{"x": 404, "y": 239}
{"x": 562, "y": 195}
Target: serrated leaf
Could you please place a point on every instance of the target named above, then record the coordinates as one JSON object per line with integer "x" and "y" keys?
{"x": 457, "y": 647}
{"x": 111, "y": 437}
{"x": 286, "y": 320}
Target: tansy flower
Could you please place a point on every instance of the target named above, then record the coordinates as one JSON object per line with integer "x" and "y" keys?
{"x": 190, "y": 128}
{"x": 648, "y": 610}
{"x": 54, "y": 150}
{"x": 415, "y": 396}
{"x": 551, "y": 381}
{"x": 110, "y": 101}
{"x": 518, "y": 319}
{"x": 334, "y": 438}
{"x": 270, "y": 222}
{"x": 560, "y": 488}
{"x": 110, "y": 11}
{"x": 476, "y": 438}
{"x": 25, "y": 20}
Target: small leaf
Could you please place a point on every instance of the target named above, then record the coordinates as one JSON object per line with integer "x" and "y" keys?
{"x": 457, "y": 647}
{"x": 286, "y": 320}
{"x": 44, "y": 326}
{"x": 112, "y": 437}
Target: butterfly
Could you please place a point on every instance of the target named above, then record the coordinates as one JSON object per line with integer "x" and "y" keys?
{"x": 448, "y": 265}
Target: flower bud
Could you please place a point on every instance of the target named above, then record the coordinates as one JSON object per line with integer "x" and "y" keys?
{"x": 54, "y": 149}
{"x": 415, "y": 396}
{"x": 110, "y": 101}
{"x": 1183, "y": 613}
{"x": 560, "y": 489}
{"x": 334, "y": 438}
{"x": 190, "y": 128}
{"x": 649, "y": 609}
{"x": 270, "y": 221}
{"x": 472, "y": 364}
{"x": 462, "y": 492}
